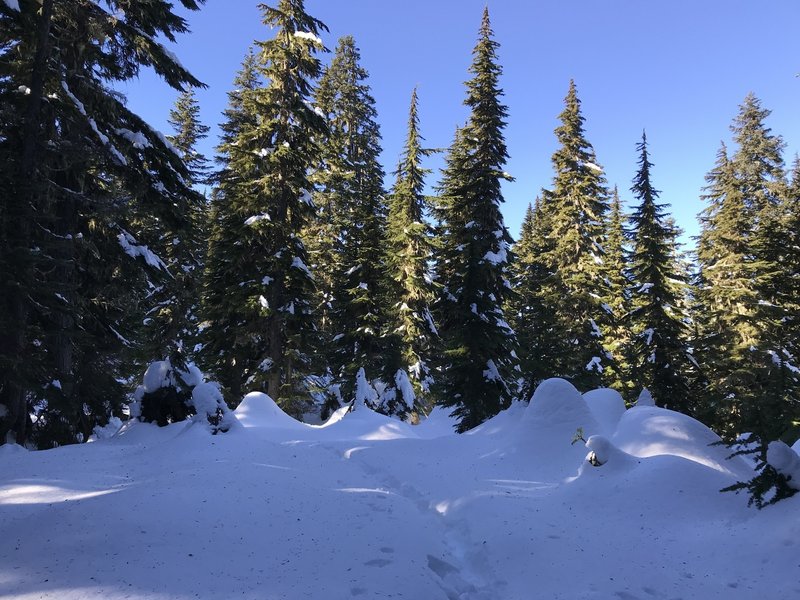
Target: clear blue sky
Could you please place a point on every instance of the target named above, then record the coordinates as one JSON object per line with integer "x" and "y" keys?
{"x": 677, "y": 68}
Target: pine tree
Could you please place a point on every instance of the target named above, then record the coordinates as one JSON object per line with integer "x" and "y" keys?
{"x": 660, "y": 351}
{"x": 170, "y": 329}
{"x": 476, "y": 374}
{"x": 617, "y": 339}
{"x": 222, "y": 307}
{"x": 576, "y": 209}
{"x": 350, "y": 190}
{"x": 409, "y": 253}
{"x": 751, "y": 386}
{"x": 530, "y": 317}
{"x": 83, "y": 169}
{"x": 263, "y": 204}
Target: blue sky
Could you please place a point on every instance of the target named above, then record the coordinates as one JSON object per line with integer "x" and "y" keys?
{"x": 677, "y": 68}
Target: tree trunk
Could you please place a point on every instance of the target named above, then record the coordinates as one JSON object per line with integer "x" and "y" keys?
{"x": 17, "y": 225}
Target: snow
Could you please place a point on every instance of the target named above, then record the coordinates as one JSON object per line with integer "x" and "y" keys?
{"x": 645, "y": 398}
{"x": 136, "y": 138}
{"x": 12, "y": 4}
{"x": 133, "y": 249}
{"x": 499, "y": 257}
{"x": 595, "y": 364}
{"x": 257, "y": 218}
{"x": 306, "y": 35}
{"x": 405, "y": 388}
{"x": 297, "y": 263}
{"x": 647, "y": 334}
{"x": 786, "y": 461}
{"x": 607, "y": 406}
{"x": 366, "y": 395}
{"x": 158, "y": 375}
{"x": 491, "y": 373}
{"x": 365, "y": 506}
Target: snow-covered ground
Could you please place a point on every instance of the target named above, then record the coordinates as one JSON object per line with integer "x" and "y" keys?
{"x": 369, "y": 507}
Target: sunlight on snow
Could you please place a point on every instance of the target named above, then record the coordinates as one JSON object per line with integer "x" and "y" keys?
{"x": 45, "y": 494}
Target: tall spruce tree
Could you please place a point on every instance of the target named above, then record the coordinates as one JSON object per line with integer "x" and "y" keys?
{"x": 222, "y": 310}
{"x": 409, "y": 254}
{"x": 476, "y": 377}
{"x": 170, "y": 329}
{"x": 660, "y": 352}
{"x": 617, "y": 338}
{"x": 350, "y": 243}
{"x": 530, "y": 317}
{"x": 83, "y": 169}
{"x": 749, "y": 389}
{"x": 576, "y": 209}
{"x": 264, "y": 203}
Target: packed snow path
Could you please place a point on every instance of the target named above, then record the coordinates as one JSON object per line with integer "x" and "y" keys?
{"x": 369, "y": 507}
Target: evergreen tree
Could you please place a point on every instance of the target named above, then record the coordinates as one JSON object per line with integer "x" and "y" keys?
{"x": 741, "y": 250}
{"x": 350, "y": 241}
{"x": 661, "y": 357}
{"x": 617, "y": 339}
{"x": 171, "y": 325}
{"x": 263, "y": 204}
{"x": 476, "y": 374}
{"x": 82, "y": 170}
{"x": 530, "y": 317}
{"x": 576, "y": 209}
{"x": 222, "y": 309}
{"x": 409, "y": 253}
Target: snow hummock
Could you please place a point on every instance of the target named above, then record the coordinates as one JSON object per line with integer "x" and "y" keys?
{"x": 785, "y": 461}
{"x": 645, "y": 398}
{"x": 607, "y": 406}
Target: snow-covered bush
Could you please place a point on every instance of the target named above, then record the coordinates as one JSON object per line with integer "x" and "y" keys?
{"x": 168, "y": 395}
{"x": 210, "y": 405}
{"x": 777, "y": 477}
{"x": 164, "y": 397}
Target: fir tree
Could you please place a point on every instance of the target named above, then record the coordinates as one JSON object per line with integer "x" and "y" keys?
{"x": 264, "y": 203}
{"x": 171, "y": 323}
{"x": 350, "y": 192}
{"x": 222, "y": 310}
{"x": 576, "y": 209}
{"x": 476, "y": 374}
{"x": 617, "y": 339}
{"x": 83, "y": 170}
{"x": 530, "y": 317}
{"x": 661, "y": 358}
{"x": 740, "y": 325}
{"x": 409, "y": 252}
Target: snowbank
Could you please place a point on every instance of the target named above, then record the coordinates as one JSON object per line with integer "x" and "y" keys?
{"x": 646, "y": 431}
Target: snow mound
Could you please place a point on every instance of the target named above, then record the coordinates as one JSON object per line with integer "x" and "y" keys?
{"x": 607, "y": 406}
{"x": 11, "y": 450}
{"x": 259, "y": 410}
{"x": 645, "y": 398}
{"x": 364, "y": 424}
{"x": 438, "y": 423}
{"x": 646, "y": 431}
{"x": 604, "y": 454}
{"x": 549, "y": 424}
{"x": 785, "y": 461}
{"x": 796, "y": 446}
{"x": 556, "y": 406}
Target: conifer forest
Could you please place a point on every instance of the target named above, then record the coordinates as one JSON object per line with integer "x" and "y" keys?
{"x": 141, "y": 280}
